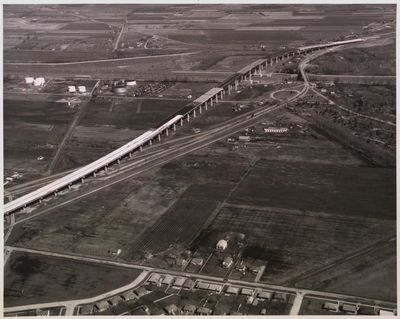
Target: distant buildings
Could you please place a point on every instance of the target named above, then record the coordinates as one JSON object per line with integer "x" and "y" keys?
{"x": 228, "y": 261}
{"x": 221, "y": 245}
{"x": 38, "y": 81}
{"x": 276, "y": 130}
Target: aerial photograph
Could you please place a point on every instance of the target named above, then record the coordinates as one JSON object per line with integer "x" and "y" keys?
{"x": 199, "y": 159}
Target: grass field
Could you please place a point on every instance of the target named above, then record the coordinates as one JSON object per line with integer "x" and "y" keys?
{"x": 335, "y": 189}
{"x": 31, "y": 278}
{"x": 33, "y": 128}
{"x": 377, "y": 60}
{"x": 110, "y": 123}
{"x": 294, "y": 241}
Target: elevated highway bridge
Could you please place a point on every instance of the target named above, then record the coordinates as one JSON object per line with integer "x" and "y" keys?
{"x": 189, "y": 111}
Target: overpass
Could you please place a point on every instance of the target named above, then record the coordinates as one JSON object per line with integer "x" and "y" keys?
{"x": 186, "y": 113}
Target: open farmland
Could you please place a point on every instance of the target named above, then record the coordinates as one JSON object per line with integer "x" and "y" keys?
{"x": 336, "y": 189}
{"x": 376, "y": 60}
{"x": 111, "y": 122}
{"x": 30, "y": 277}
{"x": 294, "y": 241}
{"x": 281, "y": 180}
{"x": 33, "y": 129}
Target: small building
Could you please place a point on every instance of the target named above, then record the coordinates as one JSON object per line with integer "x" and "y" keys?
{"x": 86, "y": 310}
{"x": 202, "y": 285}
{"x": 384, "y": 312}
{"x": 189, "y": 309}
{"x": 222, "y": 245}
{"x": 203, "y": 311}
{"x": 168, "y": 279}
{"x": 178, "y": 282}
{"x": 246, "y": 291}
{"x": 368, "y": 311}
{"x": 265, "y": 295}
{"x": 141, "y": 291}
{"x": 263, "y": 311}
{"x": 71, "y": 88}
{"x": 82, "y": 89}
{"x": 232, "y": 290}
{"x": 197, "y": 261}
{"x": 29, "y": 80}
{"x": 323, "y": 90}
{"x": 331, "y": 306}
{"x": 215, "y": 287}
{"x": 115, "y": 300}
{"x": 276, "y": 130}
{"x": 189, "y": 284}
{"x": 350, "y": 308}
{"x": 102, "y": 305}
{"x": 129, "y": 295}
{"x": 154, "y": 278}
{"x": 172, "y": 309}
{"x": 281, "y": 296}
{"x": 250, "y": 299}
{"x": 131, "y": 83}
{"x": 228, "y": 261}
{"x": 38, "y": 81}
{"x": 244, "y": 138}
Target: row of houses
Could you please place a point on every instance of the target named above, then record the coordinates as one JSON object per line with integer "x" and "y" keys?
{"x": 177, "y": 282}
{"x": 106, "y": 304}
{"x": 354, "y": 309}
{"x": 188, "y": 309}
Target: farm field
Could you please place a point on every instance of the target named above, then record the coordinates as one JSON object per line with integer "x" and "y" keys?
{"x": 374, "y": 269}
{"x": 290, "y": 241}
{"x": 359, "y": 61}
{"x": 33, "y": 129}
{"x": 30, "y": 277}
{"x": 108, "y": 123}
{"x": 326, "y": 188}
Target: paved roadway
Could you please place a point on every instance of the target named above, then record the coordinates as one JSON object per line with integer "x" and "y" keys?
{"x": 302, "y": 68}
{"x": 103, "y": 60}
{"x": 179, "y": 149}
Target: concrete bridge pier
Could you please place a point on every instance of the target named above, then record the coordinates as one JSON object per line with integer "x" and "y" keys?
{"x": 159, "y": 137}
{"x": 188, "y": 118}
{"x": 222, "y": 94}
{"x": 69, "y": 186}
{"x": 94, "y": 174}
{"x": 216, "y": 98}
{"x": 118, "y": 161}
{"x": 205, "y": 105}
{"x": 174, "y": 127}
{"x": 229, "y": 89}
{"x": 200, "y": 109}
{"x": 211, "y": 102}
{"x": 181, "y": 122}
{"x": 166, "y": 132}
{"x": 105, "y": 168}
{"x": 150, "y": 142}
{"x": 82, "y": 180}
